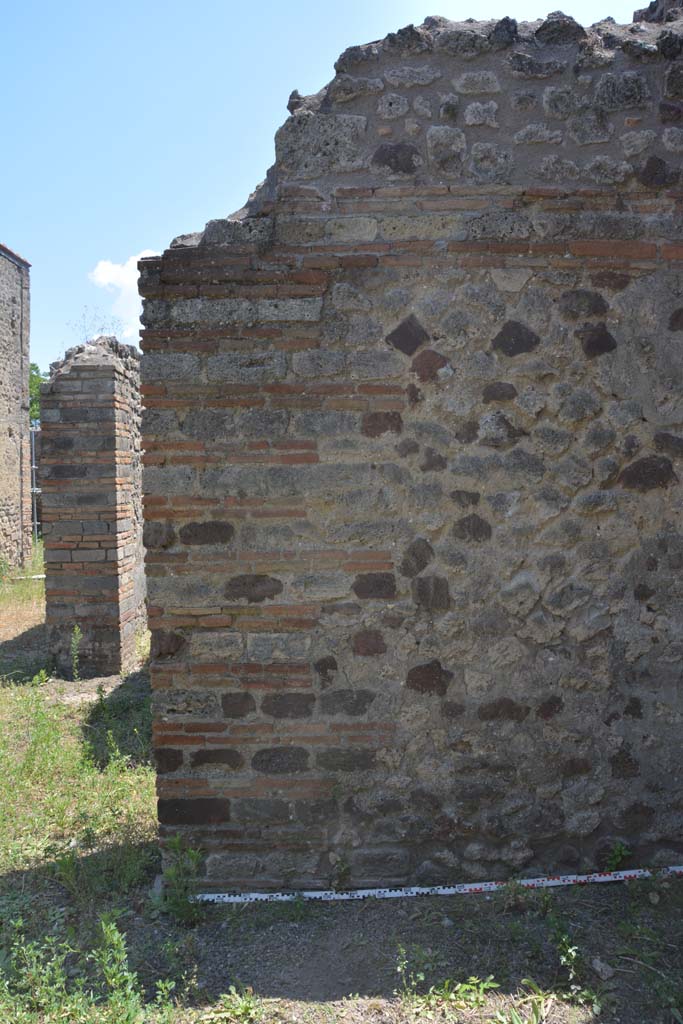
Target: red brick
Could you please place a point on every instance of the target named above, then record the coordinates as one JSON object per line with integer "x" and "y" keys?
{"x": 614, "y": 248}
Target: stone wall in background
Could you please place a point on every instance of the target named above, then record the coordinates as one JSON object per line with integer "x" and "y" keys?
{"x": 15, "y": 462}
{"x": 90, "y": 475}
{"x": 414, "y": 434}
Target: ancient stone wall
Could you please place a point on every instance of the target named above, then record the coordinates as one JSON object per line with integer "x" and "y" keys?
{"x": 414, "y": 437}
{"x": 15, "y": 463}
{"x": 90, "y": 473}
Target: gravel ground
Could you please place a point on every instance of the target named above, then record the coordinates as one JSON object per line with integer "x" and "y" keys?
{"x": 310, "y": 961}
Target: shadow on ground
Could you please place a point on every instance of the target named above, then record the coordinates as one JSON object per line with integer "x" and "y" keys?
{"x": 119, "y": 722}
{"x": 24, "y": 655}
{"x": 300, "y": 951}
{"x": 375, "y": 950}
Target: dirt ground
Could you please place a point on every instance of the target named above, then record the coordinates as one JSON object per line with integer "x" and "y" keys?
{"x": 23, "y": 652}
{"x": 629, "y": 950}
{"x": 22, "y": 630}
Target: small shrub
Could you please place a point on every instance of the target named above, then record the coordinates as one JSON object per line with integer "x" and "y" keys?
{"x": 143, "y": 639}
{"x": 238, "y": 1006}
{"x": 413, "y": 965}
{"x": 616, "y": 856}
{"x": 75, "y": 647}
{"x": 514, "y": 898}
{"x": 462, "y": 995}
{"x": 163, "y": 1003}
{"x": 572, "y": 960}
{"x": 341, "y": 873}
{"x": 52, "y": 981}
{"x": 35, "y": 977}
{"x": 180, "y": 884}
{"x": 66, "y": 871}
{"x": 123, "y": 992}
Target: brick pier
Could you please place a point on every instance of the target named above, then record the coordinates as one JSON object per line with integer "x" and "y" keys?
{"x": 92, "y": 525}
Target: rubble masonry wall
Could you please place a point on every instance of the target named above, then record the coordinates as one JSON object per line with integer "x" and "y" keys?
{"x": 412, "y": 494}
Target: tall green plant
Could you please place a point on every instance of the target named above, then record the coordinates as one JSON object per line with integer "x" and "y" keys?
{"x": 180, "y": 883}
{"x": 76, "y": 638}
{"x": 122, "y": 986}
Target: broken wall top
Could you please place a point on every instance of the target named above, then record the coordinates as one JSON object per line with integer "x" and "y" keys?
{"x": 485, "y": 105}
{"x": 102, "y": 351}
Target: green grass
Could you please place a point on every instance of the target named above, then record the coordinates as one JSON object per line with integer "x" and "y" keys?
{"x": 76, "y": 817}
{"x": 22, "y": 613}
{"x": 63, "y": 806}
{"x": 78, "y": 855}
{"x": 51, "y": 981}
{"x": 17, "y": 590}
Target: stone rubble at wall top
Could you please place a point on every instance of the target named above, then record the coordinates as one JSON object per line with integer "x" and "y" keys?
{"x": 104, "y": 350}
{"x": 487, "y": 104}
{"x": 660, "y": 10}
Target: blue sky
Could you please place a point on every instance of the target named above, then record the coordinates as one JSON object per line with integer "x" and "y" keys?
{"x": 126, "y": 124}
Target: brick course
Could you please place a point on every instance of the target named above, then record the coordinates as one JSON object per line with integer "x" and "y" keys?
{"x": 413, "y": 472}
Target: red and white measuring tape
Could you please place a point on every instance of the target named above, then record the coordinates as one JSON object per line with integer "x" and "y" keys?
{"x": 463, "y": 889}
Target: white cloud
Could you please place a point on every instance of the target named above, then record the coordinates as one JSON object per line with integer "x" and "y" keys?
{"x": 122, "y": 279}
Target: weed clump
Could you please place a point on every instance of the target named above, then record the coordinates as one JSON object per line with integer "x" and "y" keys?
{"x": 75, "y": 648}
{"x": 180, "y": 884}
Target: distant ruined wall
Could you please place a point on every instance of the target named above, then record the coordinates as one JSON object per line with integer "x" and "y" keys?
{"x": 90, "y": 474}
{"x": 413, "y": 436}
{"x": 15, "y": 473}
